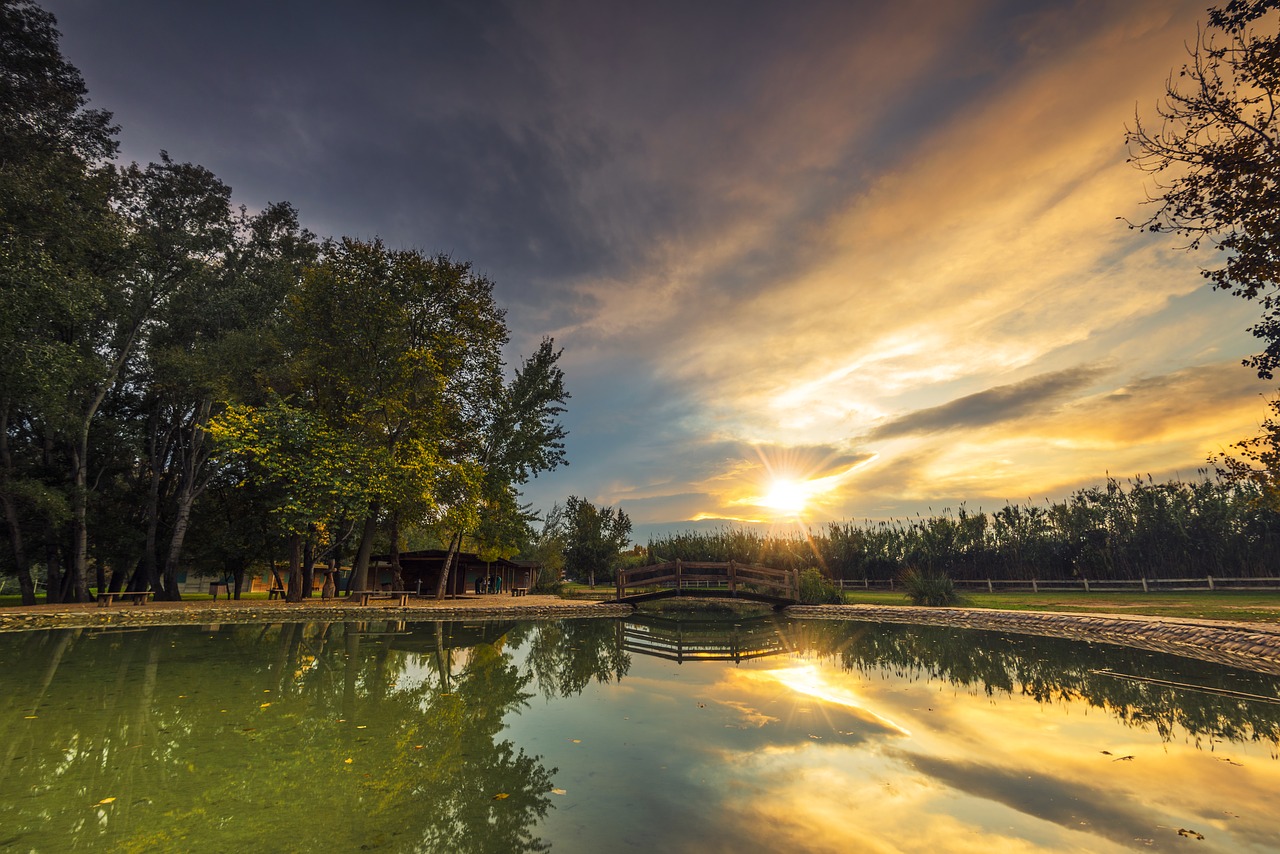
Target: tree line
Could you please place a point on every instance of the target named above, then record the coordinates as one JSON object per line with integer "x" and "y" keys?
{"x": 1123, "y": 530}
{"x": 185, "y": 383}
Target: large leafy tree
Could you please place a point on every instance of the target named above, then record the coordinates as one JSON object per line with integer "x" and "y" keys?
{"x": 59, "y": 243}
{"x": 1214, "y": 147}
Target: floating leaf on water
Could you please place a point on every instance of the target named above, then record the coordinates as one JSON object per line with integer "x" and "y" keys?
{"x": 1106, "y": 753}
{"x": 362, "y": 726}
{"x": 417, "y": 747}
{"x": 31, "y": 717}
{"x": 501, "y": 796}
{"x": 558, "y": 792}
{"x": 348, "y": 761}
{"x": 576, "y": 740}
{"x": 105, "y": 801}
{"x": 1190, "y": 834}
{"x": 815, "y": 737}
{"x": 1123, "y": 758}
{"x": 249, "y": 729}
{"x": 264, "y": 705}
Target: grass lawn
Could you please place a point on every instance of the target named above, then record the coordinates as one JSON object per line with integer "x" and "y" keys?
{"x": 1262, "y": 606}
{"x": 1216, "y": 605}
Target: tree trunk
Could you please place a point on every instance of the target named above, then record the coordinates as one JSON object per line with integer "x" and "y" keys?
{"x": 237, "y": 572}
{"x": 294, "y": 591}
{"x": 25, "y": 583}
{"x": 188, "y": 491}
{"x": 397, "y": 579}
{"x": 53, "y": 566}
{"x": 360, "y": 572}
{"x": 445, "y": 570}
{"x": 309, "y": 562}
{"x": 77, "y": 573}
{"x": 169, "y": 580}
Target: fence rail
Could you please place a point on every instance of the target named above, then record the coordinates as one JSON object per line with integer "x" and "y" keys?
{"x": 1086, "y": 585}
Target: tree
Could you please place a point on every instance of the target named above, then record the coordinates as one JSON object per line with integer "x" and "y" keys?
{"x": 593, "y": 537}
{"x": 59, "y": 245}
{"x": 1215, "y": 151}
{"x": 1255, "y": 470}
{"x": 520, "y": 436}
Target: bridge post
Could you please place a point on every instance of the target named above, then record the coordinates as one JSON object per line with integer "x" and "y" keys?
{"x": 733, "y": 579}
{"x": 619, "y": 581}
{"x": 679, "y": 572}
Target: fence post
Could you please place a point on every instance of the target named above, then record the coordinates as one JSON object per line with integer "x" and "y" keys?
{"x": 1035, "y": 587}
{"x": 1086, "y": 584}
{"x": 1210, "y": 577}
{"x": 1144, "y": 584}
{"x": 990, "y": 589}
{"x": 619, "y": 582}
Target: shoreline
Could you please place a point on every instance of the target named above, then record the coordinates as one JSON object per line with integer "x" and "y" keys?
{"x": 1247, "y": 645}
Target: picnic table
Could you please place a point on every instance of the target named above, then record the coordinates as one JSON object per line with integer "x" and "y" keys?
{"x": 276, "y": 593}
{"x": 139, "y": 597}
{"x": 225, "y": 585}
{"x": 402, "y": 595}
{"x": 519, "y": 591}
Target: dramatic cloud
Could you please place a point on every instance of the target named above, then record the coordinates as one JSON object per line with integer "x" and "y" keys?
{"x": 1003, "y": 403}
{"x": 872, "y": 247}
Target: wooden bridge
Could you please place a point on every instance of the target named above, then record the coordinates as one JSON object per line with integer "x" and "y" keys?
{"x": 778, "y": 587}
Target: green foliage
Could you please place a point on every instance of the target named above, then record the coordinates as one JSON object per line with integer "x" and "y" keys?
{"x": 817, "y": 589}
{"x": 146, "y": 324}
{"x": 924, "y": 587}
{"x": 593, "y": 539}
{"x": 1225, "y": 527}
{"x": 1213, "y": 149}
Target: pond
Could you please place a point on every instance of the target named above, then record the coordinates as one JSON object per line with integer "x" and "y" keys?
{"x": 654, "y": 733}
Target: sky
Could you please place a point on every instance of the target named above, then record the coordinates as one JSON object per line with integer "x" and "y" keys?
{"x": 808, "y": 261}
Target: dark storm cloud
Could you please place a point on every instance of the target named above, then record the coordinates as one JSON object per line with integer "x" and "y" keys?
{"x": 1037, "y": 395}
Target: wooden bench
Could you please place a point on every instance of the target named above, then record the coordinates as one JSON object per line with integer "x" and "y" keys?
{"x": 402, "y": 595}
{"x": 276, "y": 593}
{"x": 139, "y": 597}
{"x": 519, "y": 591}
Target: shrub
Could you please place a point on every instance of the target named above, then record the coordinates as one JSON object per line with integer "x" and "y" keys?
{"x": 934, "y": 589}
{"x": 817, "y": 589}
{"x": 548, "y": 584}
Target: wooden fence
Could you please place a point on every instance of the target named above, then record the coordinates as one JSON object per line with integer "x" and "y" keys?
{"x": 1086, "y": 585}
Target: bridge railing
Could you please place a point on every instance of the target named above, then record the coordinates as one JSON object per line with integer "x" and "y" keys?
{"x": 733, "y": 576}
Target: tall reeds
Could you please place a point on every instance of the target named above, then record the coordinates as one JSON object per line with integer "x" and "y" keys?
{"x": 1121, "y": 530}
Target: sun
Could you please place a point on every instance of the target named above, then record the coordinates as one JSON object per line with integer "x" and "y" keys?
{"x": 788, "y": 496}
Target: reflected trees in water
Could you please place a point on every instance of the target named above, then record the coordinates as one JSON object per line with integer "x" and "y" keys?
{"x": 334, "y": 735}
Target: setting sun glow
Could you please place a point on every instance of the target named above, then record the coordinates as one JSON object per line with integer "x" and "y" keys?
{"x": 788, "y": 496}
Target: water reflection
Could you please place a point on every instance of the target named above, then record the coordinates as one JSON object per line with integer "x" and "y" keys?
{"x": 287, "y": 737}
{"x": 706, "y": 638}
{"x": 689, "y": 735}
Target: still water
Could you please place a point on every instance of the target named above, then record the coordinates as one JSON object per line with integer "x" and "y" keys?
{"x": 650, "y": 734}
